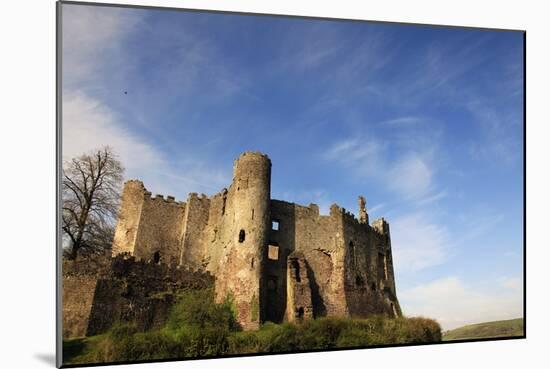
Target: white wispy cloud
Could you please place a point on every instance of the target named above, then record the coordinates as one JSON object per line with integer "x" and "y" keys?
{"x": 89, "y": 124}
{"x": 512, "y": 283}
{"x": 500, "y": 133}
{"x": 363, "y": 154}
{"x": 421, "y": 240}
{"x": 375, "y": 208}
{"x": 432, "y": 198}
{"x": 418, "y": 243}
{"x": 407, "y": 120}
{"x": 434, "y": 70}
{"x": 93, "y": 50}
{"x": 93, "y": 35}
{"x": 483, "y": 224}
{"x": 410, "y": 174}
{"x": 454, "y": 303}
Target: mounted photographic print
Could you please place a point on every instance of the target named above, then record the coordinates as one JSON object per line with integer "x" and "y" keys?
{"x": 239, "y": 184}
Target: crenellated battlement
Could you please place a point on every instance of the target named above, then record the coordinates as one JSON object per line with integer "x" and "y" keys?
{"x": 314, "y": 208}
{"x": 381, "y": 226}
{"x": 134, "y": 182}
{"x": 252, "y": 154}
{"x": 195, "y": 197}
{"x": 169, "y": 199}
{"x": 134, "y": 185}
{"x": 348, "y": 215}
{"x": 338, "y": 211}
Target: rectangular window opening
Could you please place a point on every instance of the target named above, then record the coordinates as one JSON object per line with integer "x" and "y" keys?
{"x": 275, "y": 225}
{"x": 273, "y": 252}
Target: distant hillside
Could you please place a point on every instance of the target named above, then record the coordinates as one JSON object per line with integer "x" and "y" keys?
{"x": 501, "y": 328}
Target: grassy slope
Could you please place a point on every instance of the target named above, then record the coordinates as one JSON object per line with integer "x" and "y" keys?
{"x": 502, "y": 328}
{"x": 123, "y": 344}
{"x": 85, "y": 349}
{"x": 197, "y": 327}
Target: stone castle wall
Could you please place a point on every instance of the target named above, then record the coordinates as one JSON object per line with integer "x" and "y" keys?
{"x": 369, "y": 269}
{"x": 230, "y": 234}
{"x": 191, "y": 240}
{"x": 79, "y": 283}
{"x": 319, "y": 239}
{"x": 160, "y": 229}
{"x": 100, "y": 292}
{"x": 149, "y": 225}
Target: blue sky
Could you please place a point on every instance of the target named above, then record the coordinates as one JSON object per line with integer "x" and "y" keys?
{"x": 425, "y": 122}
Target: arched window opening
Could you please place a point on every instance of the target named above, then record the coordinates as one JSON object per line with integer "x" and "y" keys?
{"x": 300, "y": 313}
{"x": 272, "y": 283}
{"x": 296, "y": 269}
{"x": 241, "y": 236}
{"x": 156, "y": 257}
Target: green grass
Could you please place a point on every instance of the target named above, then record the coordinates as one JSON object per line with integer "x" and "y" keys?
{"x": 501, "y": 328}
{"x": 82, "y": 350}
{"x": 198, "y": 328}
{"x": 331, "y": 333}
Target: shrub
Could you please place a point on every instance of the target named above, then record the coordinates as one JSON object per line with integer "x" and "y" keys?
{"x": 269, "y": 338}
{"x": 197, "y": 327}
{"x": 329, "y": 333}
{"x": 201, "y": 326}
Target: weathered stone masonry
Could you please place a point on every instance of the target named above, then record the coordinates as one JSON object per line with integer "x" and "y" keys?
{"x": 100, "y": 292}
{"x": 276, "y": 260}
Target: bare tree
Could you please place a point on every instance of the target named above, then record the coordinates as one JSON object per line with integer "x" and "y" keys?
{"x": 91, "y": 194}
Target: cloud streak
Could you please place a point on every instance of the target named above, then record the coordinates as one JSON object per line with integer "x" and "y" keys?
{"x": 455, "y": 303}
{"x": 419, "y": 243}
{"x": 409, "y": 175}
{"x": 93, "y": 36}
{"x": 93, "y": 49}
{"x": 88, "y": 124}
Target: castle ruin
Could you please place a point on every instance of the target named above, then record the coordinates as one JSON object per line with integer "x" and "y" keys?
{"x": 278, "y": 261}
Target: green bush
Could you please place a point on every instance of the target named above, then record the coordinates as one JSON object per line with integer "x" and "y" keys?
{"x": 140, "y": 346}
{"x": 201, "y": 326}
{"x": 329, "y": 333}
{"x": 269, "y": 338}
{"x": 197, "y": 327}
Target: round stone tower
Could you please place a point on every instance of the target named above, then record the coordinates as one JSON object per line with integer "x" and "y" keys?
{"x": 250, "y": 200}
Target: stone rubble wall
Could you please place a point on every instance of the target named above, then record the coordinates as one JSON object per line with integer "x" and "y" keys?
{"x": 299, "y": 305}
{"x": 122, "y": 290}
